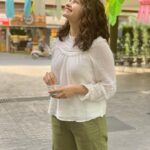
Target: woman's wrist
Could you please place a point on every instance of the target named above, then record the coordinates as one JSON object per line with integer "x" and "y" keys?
{"x": 81, "y": 89}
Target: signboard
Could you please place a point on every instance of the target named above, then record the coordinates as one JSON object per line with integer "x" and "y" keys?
{"x": 4, "y": 21}
{"x": 32, "y": 20}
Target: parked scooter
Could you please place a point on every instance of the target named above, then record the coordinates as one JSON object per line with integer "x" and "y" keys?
{"x": 43, "y": 50}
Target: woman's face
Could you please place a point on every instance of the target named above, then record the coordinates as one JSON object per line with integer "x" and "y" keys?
{"x": 73, "y": 9}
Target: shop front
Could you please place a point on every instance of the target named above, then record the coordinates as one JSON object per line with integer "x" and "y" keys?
{"x": 23, "y": 34}
{"x": 4, "y": 26}
{"x": 2, "y": 39}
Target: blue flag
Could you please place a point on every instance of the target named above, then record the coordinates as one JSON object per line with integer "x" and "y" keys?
{"x": 9, "y": 7}
{"x": 27, "y": 8}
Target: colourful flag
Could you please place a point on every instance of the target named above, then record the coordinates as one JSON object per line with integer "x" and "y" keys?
{"x": 32, "y": 7}
{"x": 9, "y": 7}
{"x": 113, "y": 9}
{"x": 27, "y": 8}
{"x": 144, "y": 11}
{"x": 107, "y": 7}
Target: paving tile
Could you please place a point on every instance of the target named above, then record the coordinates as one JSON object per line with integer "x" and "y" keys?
{"x": 148, "y": 113}
{"x": 26, "y": 125}
{"x": 14, "y": 144}
{"x": 115, "y": 124}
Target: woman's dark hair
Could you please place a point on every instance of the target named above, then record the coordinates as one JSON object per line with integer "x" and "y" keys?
{"x": 93, "y": 23}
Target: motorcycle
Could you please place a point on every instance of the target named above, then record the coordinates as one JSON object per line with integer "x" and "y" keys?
{"x": 42, "y": 50}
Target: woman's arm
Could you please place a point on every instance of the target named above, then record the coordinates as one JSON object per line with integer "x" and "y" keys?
{"x": 104, "y": 72}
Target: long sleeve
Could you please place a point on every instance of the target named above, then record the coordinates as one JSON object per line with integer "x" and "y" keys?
{"x": 104, "y": 86}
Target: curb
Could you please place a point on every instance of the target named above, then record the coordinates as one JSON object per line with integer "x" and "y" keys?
{"x": 132, "y": 69}
{"x": 23, "y": 99}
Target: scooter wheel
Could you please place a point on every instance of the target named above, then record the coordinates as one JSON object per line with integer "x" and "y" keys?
{"x": 35, "y": 56}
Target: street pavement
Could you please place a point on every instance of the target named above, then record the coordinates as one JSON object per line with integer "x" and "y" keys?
{"x": 26, "y": 125}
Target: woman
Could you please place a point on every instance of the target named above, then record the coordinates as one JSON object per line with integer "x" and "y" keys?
{"x": 82, "y": 63}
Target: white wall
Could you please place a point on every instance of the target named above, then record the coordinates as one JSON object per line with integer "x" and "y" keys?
{"x": 131, "y": 5}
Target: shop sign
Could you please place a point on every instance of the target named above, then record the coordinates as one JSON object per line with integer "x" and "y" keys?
{"x": 4, "y": 22}
{"x": 29, "y": 20}
{"x": 32, "y": 20}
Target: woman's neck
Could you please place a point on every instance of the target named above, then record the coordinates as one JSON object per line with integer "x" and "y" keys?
{"x": 74, "y": 29}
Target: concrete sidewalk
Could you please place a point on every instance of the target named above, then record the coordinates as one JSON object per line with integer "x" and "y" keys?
{"x": 22, "y": 81}
{"x": 27, "y": 81}
{"x": 25, "y": 124}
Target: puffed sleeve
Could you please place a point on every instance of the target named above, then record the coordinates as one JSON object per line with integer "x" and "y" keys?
{"x": 104, "y": 86}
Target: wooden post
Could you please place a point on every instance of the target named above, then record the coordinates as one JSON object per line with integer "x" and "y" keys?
{"x": 113, "y": 37}
{"x": 7, "y": 40}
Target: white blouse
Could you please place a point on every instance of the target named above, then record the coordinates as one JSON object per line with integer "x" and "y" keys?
{"x": 93, "y": 68}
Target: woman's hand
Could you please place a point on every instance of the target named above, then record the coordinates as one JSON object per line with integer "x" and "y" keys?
{"x": 68, "y": 91}
{"x": 49, "y": 78}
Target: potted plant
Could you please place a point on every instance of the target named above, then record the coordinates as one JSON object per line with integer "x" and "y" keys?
{"x": 136, "y": 46}
{"x": 128, "y": 50}
{"x": 146, "y": 44}
{"x": 120, "y": 52}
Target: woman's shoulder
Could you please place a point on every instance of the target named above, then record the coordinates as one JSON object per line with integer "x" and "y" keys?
{"x": 98, "y": 41}
{"x": 100, "y": 47}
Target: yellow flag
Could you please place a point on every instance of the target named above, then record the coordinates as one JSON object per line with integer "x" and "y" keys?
{"x": 32, "y": 7}
{"x": 107, "y": 7}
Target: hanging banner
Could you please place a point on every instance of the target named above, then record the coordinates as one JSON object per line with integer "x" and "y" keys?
{"x": 144, "y": 11}
{"x": 9, "y": 7}
{"x": 107, "y": 7}
{"x": 32, "y": 7}
{"x": 27, "y": 8}
{"x": 113, "y": 9}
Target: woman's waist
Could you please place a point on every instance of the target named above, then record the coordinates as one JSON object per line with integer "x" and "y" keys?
{"x": 74, "y": 103}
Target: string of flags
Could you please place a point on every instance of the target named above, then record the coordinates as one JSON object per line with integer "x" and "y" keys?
{"x": 36, "y": 6}
{"x": 112, "y": 8}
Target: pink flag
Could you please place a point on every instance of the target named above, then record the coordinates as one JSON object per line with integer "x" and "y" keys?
{"x": 144, "y": 11}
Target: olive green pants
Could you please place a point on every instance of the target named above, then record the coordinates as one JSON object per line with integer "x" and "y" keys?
{"x": 71, "y": 135}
